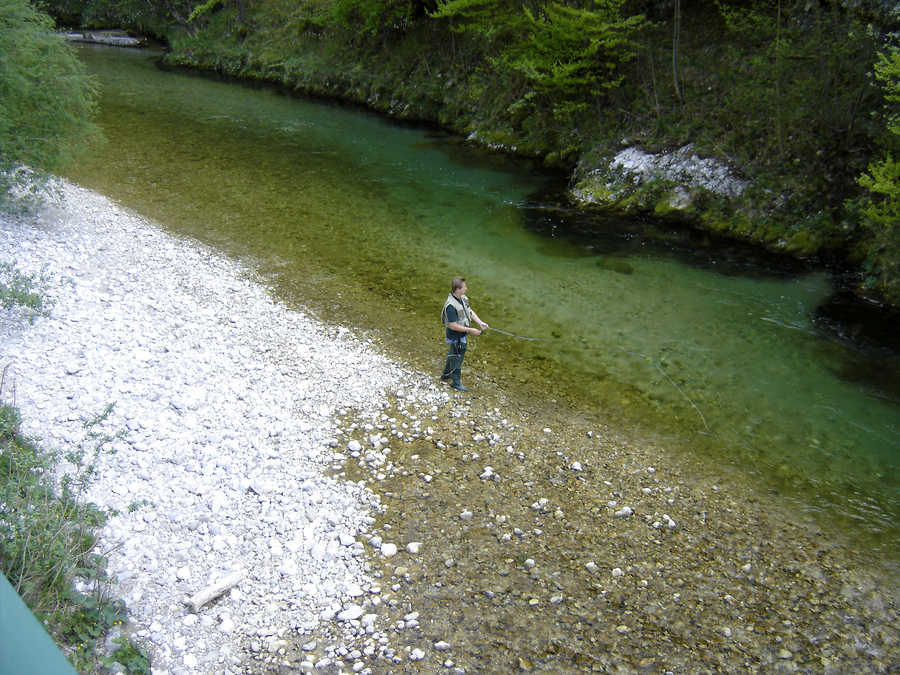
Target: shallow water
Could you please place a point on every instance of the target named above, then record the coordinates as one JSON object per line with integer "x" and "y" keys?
{"x": 366, "y": 221}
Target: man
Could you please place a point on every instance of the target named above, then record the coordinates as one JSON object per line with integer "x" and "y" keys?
{"x": 456, "y": 317}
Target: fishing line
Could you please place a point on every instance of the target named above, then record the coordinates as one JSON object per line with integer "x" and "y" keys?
{"x": 520, "y": 337}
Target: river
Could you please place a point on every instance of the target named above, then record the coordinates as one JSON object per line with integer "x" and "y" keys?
{"x": 711, "y": 346}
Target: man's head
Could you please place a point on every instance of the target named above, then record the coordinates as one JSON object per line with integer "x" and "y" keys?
{"x": 458, "y": 286}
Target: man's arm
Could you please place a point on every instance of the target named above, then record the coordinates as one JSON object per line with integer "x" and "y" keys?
{"x": 481, "y": 323}
{"x": 459, "y": 328}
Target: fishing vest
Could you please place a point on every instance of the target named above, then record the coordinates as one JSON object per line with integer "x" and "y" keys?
{"x": 461, "y": 307}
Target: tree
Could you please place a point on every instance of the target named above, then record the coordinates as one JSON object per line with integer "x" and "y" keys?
{"x": 47, "y": 100}
{"x": 880, "y": 207}
{"x": 573, "y": 55}
{"x": 567, "y": 55}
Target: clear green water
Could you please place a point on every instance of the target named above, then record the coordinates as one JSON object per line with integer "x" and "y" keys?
{"x": 366, "y": 221}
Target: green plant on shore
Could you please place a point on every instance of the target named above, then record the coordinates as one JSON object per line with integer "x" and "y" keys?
{"x": 130, "y": 656}
{"x": 23, "y": 290}
{"x": 47, "y": 541}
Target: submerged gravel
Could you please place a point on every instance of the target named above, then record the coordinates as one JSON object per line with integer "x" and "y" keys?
{"x": 383, "y": 523}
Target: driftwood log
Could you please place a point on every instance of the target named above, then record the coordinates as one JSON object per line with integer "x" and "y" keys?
{"x": 200, "y": 598}
{"x": 111, "y": 38}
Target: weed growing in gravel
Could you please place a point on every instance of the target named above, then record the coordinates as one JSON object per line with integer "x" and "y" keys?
{"x": 47, "y": 543}
{"x": 24, "y": 291}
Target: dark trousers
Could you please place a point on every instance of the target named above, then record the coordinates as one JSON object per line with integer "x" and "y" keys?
{"x": 455, "y": 356}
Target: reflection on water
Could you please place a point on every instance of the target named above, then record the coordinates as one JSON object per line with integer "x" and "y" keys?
{"x": 366, "y": 222}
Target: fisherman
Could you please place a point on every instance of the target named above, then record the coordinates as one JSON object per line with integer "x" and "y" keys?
{"x": 456, "y": 317}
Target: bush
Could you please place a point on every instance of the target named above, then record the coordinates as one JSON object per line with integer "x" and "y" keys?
{"x": 47, "y": 540}
{"x": 47, "y": 99}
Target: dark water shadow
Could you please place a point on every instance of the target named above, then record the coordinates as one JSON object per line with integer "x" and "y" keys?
{"x": 623, "y": 236}
{"x": 866, "y": 332}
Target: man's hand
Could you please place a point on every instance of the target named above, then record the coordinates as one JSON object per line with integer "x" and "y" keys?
{"x": 474, "y": 331}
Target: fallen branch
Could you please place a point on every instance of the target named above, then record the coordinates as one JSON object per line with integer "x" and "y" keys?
{"x": 200, "y": 598}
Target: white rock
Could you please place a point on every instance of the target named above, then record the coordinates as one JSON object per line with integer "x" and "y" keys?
{"x": 388, "y": 550}
{"x": 414, "y": 547}
{"x": 351, "y": 613}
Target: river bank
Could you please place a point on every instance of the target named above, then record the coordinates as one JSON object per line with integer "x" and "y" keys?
{"x": 226, "y": 402}
{"x": 384, "y": 523}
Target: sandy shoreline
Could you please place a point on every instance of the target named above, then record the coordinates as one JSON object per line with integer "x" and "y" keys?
{"x": 263, "y": 439}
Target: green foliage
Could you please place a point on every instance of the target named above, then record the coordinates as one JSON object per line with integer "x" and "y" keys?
{"x": 66, "y": 12}
{"x": 150, "y": 17}
{"x": 46, "y": 98}
{"x": 883, "y": 183}
{"x": 879, "y": 208}
{"x": 495, "y": 20}
{"x": 130, "y": 656}
{"x": 887, "y": 72}
{"x": 47, "y": 539}
{"x": 573, "y": 55}
{"x": 376, "y": 17}
{"x": 796, "y": 79}
{"x": 21, "y": 290}
{"x": 203, "y": 8}
{"x": 43, "y": 539}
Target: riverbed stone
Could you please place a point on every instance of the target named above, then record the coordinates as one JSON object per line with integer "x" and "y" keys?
{"x": 227, "y": 401}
